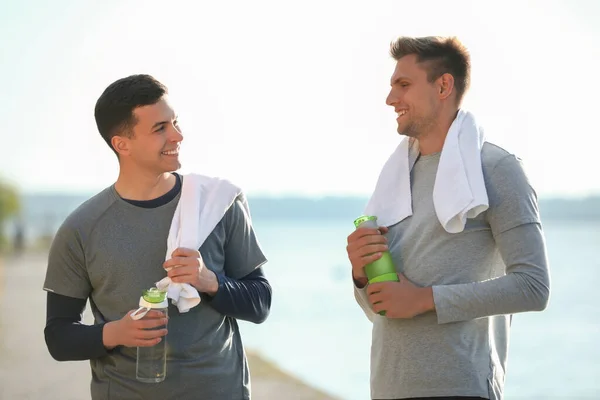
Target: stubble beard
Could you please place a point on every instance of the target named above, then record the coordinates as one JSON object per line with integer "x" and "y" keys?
{"x": 419, "y": 127}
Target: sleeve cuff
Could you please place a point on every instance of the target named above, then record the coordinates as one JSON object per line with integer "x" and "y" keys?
{"x": 216, "y": 299}
{"x": 442, "y": 300}
{"x": 97, "y": 343}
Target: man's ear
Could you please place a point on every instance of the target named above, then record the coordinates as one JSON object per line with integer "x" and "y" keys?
{"x": 121, "y": 144}
{"x": 445, "y": 85}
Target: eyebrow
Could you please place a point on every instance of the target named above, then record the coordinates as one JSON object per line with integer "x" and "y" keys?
{"x": 400, "y": 78}
{"x": 156, "y": 125}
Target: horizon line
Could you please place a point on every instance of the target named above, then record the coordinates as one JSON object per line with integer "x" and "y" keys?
{"x": 293, "y": 195}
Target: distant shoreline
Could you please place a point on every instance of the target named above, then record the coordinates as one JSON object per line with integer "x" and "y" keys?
{"x": 296, "y": 207}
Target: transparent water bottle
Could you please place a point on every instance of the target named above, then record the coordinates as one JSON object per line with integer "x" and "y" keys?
{"x": 151, "y": 364}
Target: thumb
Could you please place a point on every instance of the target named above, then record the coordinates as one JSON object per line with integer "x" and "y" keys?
{"x": 401, "y": 277}
{"x": 383, "y": 229}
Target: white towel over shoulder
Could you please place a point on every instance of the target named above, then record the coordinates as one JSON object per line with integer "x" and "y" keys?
{"x": 459, "y": 191}
{"x": 202, "y": 204}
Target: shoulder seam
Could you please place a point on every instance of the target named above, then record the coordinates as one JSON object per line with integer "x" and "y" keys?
{"x": 112, "y": 204}
{"x": 500, "y": 161}
{"x": 91, "y": 230}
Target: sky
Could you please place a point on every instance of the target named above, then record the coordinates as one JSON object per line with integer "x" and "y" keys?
{"x": 288, "y": 98}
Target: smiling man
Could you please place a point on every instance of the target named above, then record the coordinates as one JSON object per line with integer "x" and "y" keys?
{"x": 113, "y": 247}
{"x": 445, "y": 333}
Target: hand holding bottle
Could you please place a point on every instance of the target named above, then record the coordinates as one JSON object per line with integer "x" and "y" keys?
{"x": 365, "y": 245}
{"x": 135, "y": 333}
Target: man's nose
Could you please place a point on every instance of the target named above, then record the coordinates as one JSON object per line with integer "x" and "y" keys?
{"x": 391, "y": 98}
{"x": 176, "y": 135}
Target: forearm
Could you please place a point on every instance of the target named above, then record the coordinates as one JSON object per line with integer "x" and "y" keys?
{"x": 247, "y": 299}
{"x": 66, "y": 337}
{"x": 69, "y": 341}
{"x": 525, "y": 287}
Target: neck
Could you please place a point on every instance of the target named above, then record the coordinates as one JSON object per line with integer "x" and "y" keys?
{"x": 143, "y": 186}
{"x": 433, "y": 140}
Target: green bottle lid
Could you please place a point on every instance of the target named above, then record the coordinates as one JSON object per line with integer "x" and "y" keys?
{"x": 364, "y": 218}
{"x": 154, "y": 295}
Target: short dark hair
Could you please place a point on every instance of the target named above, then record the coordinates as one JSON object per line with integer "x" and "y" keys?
{"x": 114, "y": 108}
{"x": 440, "y": 55}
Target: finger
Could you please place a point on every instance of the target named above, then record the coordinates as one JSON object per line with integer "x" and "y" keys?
{"x": 151, "y": 323}
{"x": 371, "y": 239}
{"x": 184, "y": 279}
{"x": 375, "y": 298}
{"x": 383, "y": 230}
{"x": 360, "y": 232}
{"x": 375, "y": 287}
{"x": 378, "y": 307}
{"x": 370, "y": 249}
{"x": 185, "y": 252}
{"x": 182, "y": 272}
{"x": 360, "y": 262}
{"x": 148, "y": 334}
{"x": 177, "y": 262}
{"x": 366, "y": 241}
{"x": 153, "y": 314}
{"x": 151, "y": 334}
{"x": 170, "y": 264}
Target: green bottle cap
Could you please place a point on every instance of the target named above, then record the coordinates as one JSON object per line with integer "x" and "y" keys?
{"x": 364, "y": 218}
{"x": 154, "y": 295}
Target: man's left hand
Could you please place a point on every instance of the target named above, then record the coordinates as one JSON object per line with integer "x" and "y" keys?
{"x": 400, "y": 299}
{"x": 187, "y": 266}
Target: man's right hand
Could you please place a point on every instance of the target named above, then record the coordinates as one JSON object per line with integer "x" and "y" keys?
{"x": 365, "y": 246}
{"x": 131, "y": 333}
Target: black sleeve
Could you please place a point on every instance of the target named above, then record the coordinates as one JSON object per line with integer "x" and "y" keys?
{"x": 67, "y": 338}
{"x": 247, "y": 298}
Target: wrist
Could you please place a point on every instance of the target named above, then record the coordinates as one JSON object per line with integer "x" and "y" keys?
{"x": 360, "y": 282}
{"x": 427, "y": 300}
{"x": 108, "y": 335}
{"x": 211, "y": 286}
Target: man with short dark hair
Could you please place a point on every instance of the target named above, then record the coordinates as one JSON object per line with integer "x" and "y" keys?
{"x": 464, "y": 234}
{"x": 113, "y": 247}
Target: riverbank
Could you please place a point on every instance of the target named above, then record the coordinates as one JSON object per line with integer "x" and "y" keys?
{"x": 28, "y": 372}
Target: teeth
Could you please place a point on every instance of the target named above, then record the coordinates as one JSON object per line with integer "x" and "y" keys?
{"x": 401, "y": 113}
{"x": 171, "y": 152}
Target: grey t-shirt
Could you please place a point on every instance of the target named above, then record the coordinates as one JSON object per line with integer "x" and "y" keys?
{"x": 109, "y": 251}
{"x": 496, "y": 267}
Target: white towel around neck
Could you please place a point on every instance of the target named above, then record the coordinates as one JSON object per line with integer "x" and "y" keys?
{"x": 202, "y": 204}
{"x": 459, "y": 191}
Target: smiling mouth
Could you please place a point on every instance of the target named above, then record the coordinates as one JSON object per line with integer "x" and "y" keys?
{"x": 401, "y": 113}
{"x": 170, "y": 152}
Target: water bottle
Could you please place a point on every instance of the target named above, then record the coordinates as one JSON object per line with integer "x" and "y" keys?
{"x": 382, "y": 269}
{"x": 151, "y": 364}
